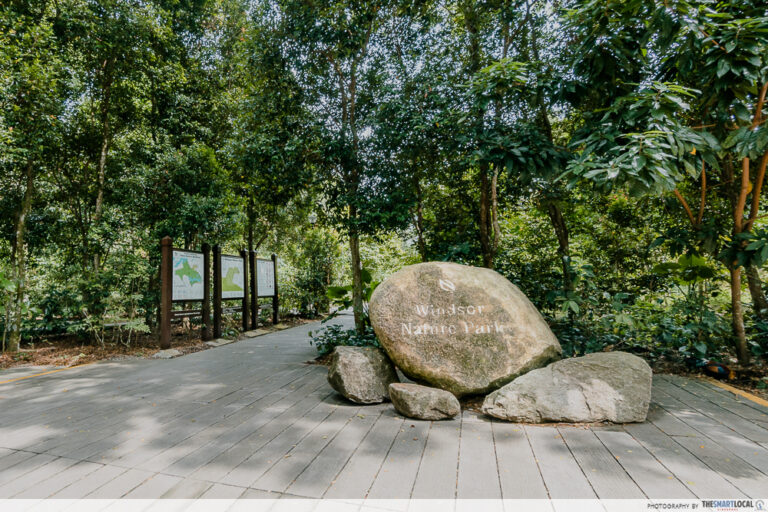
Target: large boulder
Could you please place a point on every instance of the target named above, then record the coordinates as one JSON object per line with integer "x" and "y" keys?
{"x": 423, "y": 403}
{"x": 361, "y": 374}
{"x": 463, "y": 329}
{"x": 606, "y": 386}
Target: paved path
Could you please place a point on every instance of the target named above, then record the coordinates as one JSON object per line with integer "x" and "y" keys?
{"x": 251, "y": 420}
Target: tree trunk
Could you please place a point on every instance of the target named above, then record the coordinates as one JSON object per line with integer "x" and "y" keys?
{"x": 737, "y": 318}
{"x": 486, "y": 244}
{"x": 99, "y": 207}
{"x": 471, "y": 21}
{"x": 759, "y": 302}
{"x": 357, "y": 274}
{"x": 7, "y": 322}
{"x": 563, "y": 246}
{"x": 249, "y": 229}
{"x": 19, "y": 262}
{"x": 105, "y": 140}
{"x": 737, "y": 197}
{"x": 153, "y": 313}
{"x": 495, "y": 212}
{"x": 420, "y": 221}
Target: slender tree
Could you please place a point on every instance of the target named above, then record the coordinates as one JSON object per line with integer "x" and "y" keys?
{"x": 683, "y": 87}
{"x": 332, "y": 45}
{"x": 31, "y": 91}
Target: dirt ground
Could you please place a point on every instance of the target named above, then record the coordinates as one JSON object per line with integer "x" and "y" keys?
{"x": 66, "y": 351}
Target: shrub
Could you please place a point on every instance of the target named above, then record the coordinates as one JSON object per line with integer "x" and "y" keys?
{"x": 309, "y": 274}
{"x": 334, "y": 336}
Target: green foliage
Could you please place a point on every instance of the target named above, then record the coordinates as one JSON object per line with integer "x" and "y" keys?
{"x": 386, "y": 254}
{"x": 7, "y": 287}
{"x": 687, "y": 270}
{"x": 642, "y": 144}
{"x": 334, "y": 336}
{"x": 679, "y": 106}
{"x": 341, "y": 296}
{"x": 749, "y": 248}
{"x": 426, "y": 131}
{"x": 59, "y": 307}
{"x": 114, "y": 322}
{"x": 674, "y": 328}
{"x": 675, "y": 322}
{"x": 311, "y": 273}
{"x": 620, "y": 299}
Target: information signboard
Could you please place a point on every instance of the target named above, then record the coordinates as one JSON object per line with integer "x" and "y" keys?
{"x": 187, "y": 274}
{"x": 232, "y": 277}
{"x": 265, "y": 270}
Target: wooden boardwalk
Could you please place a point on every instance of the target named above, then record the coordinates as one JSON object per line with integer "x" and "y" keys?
{"x": 251, "y": 420}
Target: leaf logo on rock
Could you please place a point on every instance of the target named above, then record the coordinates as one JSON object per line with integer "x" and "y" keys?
{"x": 446, "y": 285}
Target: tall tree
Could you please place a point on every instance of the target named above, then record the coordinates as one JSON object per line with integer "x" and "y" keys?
{"x": 109, "y": 47}
{"x": 332, "y": 45}
{"x": 514, "y": 97}
{"x": 682, "y": 88}
{"x": 273, "y": 145}
{"x": 31, "y": 91}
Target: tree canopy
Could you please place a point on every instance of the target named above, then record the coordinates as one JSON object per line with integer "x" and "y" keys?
{"x": 608, "y": 157}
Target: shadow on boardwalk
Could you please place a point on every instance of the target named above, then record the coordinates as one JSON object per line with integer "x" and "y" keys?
{"x": 252, "y": 420}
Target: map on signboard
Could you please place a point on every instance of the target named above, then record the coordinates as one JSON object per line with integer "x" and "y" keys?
{"x": 265, "y": 271}
{"x": 187, "y": 275}
{"x": 232, "y": 277}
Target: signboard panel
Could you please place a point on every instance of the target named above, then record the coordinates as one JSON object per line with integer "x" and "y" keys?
{"x": 265, "y": 270}
{"x": 232, "y": 277}
{"x": 187, "y": 275}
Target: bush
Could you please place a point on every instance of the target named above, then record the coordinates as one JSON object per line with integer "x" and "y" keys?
{"x": 335, "y": 335}
{"x": 108, "y": 307}
{"x": 309, "y": 274}
{"x": 671, "y": 326}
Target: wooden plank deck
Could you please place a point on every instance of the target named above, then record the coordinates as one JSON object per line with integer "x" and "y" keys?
{"x": 251, "y": 420}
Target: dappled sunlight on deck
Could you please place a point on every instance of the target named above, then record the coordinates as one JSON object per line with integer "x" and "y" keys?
{"x": 251, "y": 419}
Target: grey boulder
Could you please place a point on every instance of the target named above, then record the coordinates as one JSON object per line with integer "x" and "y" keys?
{"x": 361, "y": 374}
{"x": 422, "y": 402}
{"x": 463, "y": 329}
{"x": 606, "y": 386}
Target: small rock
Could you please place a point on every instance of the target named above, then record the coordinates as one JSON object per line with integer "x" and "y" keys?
{"x": 467, "y": 330}
{"x": 167, "y": 354}
{"x": 361, "y": 374}
{"x": 219, "y": 342}
{"x": 254, "y": 333}
{"x": 605, "y": 386}
{"x": 422, "y": 402}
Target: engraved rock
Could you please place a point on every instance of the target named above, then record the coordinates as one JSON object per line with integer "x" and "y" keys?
{"x": 361, "y": 374}
{"x": 423, "y": 403}
{"x": 463, "y": 329}
{"x": 606, "y": 386}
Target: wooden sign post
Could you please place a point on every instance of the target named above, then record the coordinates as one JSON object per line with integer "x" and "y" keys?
{"x": 182, "y": 280}
{"x": 275, "y": 299}
{"x": 216, "y": 292}
{"x": 166, "y": 291}
{"x": 252, "y": 287}
{"x": 246, "y": 281}
{"x": 184, "y": 277}
{"x": 207, "y": 293}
